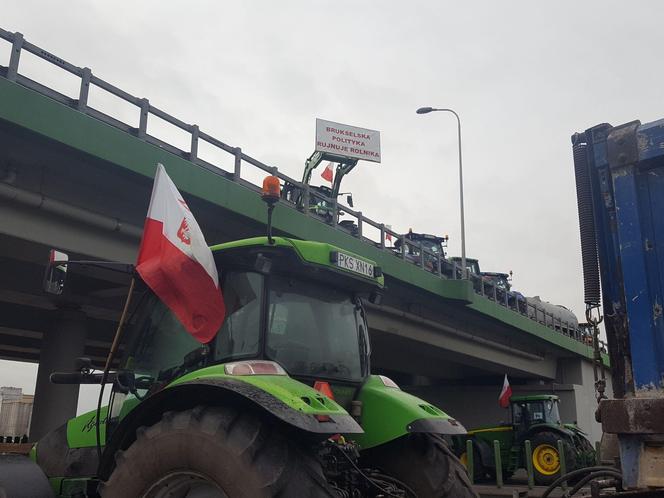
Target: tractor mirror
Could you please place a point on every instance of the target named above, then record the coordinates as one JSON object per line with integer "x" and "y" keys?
{"x": 56, "y": 272}
{"x": 349, "y": 200}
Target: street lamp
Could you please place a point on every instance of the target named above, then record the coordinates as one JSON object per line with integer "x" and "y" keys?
{"x": 427, "y": 110}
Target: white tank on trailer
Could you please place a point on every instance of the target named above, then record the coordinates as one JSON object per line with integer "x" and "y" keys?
{"x": 554, "y": 315}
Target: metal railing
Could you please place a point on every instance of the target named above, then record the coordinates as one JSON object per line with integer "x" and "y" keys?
{"x": 358, "y": 225}
{"x": 14, "y": 439}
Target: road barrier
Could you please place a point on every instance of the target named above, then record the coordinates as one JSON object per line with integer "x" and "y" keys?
{"x": 13, "y": 439}
{"x": 498, "y": 462}
{"x": 529, "y": 463}
{"x": 470, "y": 461}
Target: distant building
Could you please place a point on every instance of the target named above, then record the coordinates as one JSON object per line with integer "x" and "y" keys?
{"x": 15, "y": 412}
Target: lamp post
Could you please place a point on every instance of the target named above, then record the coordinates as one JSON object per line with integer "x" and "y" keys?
{"x": 426, "y": 110}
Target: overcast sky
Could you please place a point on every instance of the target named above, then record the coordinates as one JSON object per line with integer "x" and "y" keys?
{"x": 523, "y": 76}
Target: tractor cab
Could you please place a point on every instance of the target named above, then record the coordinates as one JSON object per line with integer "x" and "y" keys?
{"x": 472, "y": 265}
{"x": 291, "y": 305}
{"x": 432, "y": 245}
{"x": 502, "y": 281}
{"x": 528, "y": 411}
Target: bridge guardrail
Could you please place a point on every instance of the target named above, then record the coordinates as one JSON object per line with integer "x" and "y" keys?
{"x": 425, "y": 259}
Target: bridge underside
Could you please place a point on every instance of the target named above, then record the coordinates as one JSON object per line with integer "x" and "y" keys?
{"x": 52, "y": 195}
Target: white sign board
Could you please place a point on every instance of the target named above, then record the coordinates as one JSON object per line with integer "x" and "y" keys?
{"x": 347, "y": 141}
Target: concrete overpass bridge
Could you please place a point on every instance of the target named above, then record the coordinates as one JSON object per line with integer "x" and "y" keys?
{"x": 77, "y": 179}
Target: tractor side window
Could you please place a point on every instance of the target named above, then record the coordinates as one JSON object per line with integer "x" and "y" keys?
{"x": 517, "y": 413}
{"x": 162, "y": 342}
{"x": 553, "y": 416}
{"x": 240, "y": 334}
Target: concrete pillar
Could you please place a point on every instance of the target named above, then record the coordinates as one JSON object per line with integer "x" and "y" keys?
{"x": 62, "y": 344}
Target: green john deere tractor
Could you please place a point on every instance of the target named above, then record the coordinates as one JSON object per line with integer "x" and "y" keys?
{"x": 281, "y": 402}
{"x": 535, "y": 418}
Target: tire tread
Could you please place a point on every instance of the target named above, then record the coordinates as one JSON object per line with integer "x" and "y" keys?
{"x": 262, "y": 462}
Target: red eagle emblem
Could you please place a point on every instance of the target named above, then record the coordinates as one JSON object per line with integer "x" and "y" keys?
{"x": 183, "y": 232}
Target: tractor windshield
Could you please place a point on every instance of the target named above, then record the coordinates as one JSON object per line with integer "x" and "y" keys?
{"x": 431, "y": 245}
{"x": 544, "y": 412}
{"x": 314, "y": 331}
{"x": 310, "y": 329}
{"x": 535, "y": 412}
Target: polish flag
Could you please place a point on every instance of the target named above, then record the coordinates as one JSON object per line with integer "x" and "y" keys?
{"x": 327, "y": 173}
{"x": 176, "y": 263}
{"x": 505, "y": 394}
{"x": 388, "y": 235}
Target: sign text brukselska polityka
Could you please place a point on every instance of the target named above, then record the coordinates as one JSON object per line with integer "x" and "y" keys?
{"x": 347, "y": 141}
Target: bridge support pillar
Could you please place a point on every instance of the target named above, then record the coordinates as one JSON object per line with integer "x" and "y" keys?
{"x": 62, "y": 344}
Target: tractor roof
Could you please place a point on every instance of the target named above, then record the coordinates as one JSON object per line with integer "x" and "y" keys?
{"x": 425, "y": 236}
{"x": 495, "y": 274}
{"x": 535, "y": 397}
{"x": 468, "y": 260}
{"x": 294, "y": 256}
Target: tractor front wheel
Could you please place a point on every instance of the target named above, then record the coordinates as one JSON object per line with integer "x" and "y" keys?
{"x": 424, "y": 463}
{"x": 546, "y": 459}
{"x": 217, "y": 453}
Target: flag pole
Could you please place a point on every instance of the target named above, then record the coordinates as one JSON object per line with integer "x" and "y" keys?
{"x": 119, "y": 330}
{"x": 109, "y": 359}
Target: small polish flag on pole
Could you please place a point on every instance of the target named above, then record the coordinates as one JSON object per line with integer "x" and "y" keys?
{"x": 388, "y": 235}
{"x": 176, "y": 263}
{"x": 328, "y": 173}
{"x": 505, "y": 394}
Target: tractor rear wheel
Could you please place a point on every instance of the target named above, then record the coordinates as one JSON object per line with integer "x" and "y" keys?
{"x": 546, "y": 459}
{"x": 424, "y": 463}
{"x": 214, "y": 452}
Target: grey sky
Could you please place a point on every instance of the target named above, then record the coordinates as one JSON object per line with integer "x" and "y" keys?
{"x": 523, "y": 76}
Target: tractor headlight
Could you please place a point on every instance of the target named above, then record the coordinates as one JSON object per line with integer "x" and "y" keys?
{"x": 387, "y": 382}
{"x": 254, "y": 367}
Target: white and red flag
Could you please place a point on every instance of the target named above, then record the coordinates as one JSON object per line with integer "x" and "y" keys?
{"x": 505, "y": 394}
{"x": 328, "y": 173}
{"x": 176, "y": 263}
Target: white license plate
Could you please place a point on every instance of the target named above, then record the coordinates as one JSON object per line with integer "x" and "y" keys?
{"x": 355, "y": 265}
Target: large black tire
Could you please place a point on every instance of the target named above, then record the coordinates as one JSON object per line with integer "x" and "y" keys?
{"x": 214, "y": 452}
{"x": 545, "y": 455}
{"x": 425, "y": 463}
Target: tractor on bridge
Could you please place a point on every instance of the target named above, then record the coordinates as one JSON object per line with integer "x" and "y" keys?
{"x": 535, "y": 418}
{"x": 281, "y": 402}
{"x": 322, "y": 198}
{"x": 425, "y": 250}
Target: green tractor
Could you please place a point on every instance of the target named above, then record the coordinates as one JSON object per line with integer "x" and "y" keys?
{"x": 535, "y": 418}
{"x": 281, "y": 402}
{"x": 322, "y": 198}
